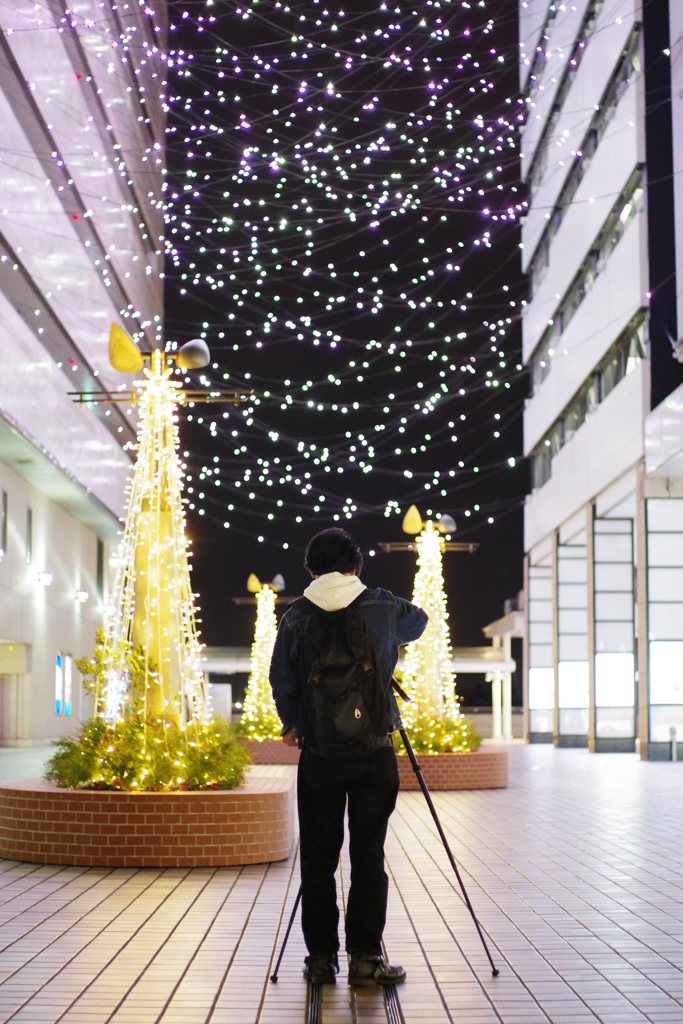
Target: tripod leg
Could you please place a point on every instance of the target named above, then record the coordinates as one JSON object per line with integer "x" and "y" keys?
{"x": 432, "y": 808}
{"x": 274, "y": 975}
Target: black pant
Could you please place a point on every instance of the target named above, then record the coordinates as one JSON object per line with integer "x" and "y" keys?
{"x": 371, "y": 786}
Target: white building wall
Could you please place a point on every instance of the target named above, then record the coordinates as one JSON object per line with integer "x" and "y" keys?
{"x": 610, "y": 305}
{"x": 599, "y": 60}
{"x": 608, "y": 444}
{"x": 619, "y": 153}
{"x": 81, "y": 237}
{"x": 46, "y": 618}
{"x": 676, "y": 33}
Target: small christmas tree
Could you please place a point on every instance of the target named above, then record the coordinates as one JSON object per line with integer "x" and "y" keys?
{"x": 259, "y": 718}
{"x": 432, "y": 719}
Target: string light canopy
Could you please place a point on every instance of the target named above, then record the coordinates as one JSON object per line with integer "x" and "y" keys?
{"x": 342, "y": 213}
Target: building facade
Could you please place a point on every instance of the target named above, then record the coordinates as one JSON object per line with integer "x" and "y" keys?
{"x": 602, "y": 155}
{"x": 81, "y": 239}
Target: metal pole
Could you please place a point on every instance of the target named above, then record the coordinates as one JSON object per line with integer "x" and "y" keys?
{"x": 673, "y": 734}
{"x": 274, "y": 975}
{"x": 425, "y": 793}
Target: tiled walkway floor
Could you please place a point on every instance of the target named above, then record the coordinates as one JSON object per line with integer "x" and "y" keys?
{"x": 576, "y": 873}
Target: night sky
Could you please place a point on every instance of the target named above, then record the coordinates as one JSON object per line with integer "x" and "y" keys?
{"x": 343, "y": 215}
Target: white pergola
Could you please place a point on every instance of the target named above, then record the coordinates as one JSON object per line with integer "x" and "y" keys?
{"x": 501, "y": 633}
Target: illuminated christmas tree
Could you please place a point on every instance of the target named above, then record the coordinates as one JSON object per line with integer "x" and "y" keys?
{"x": 152, "y": 728}
{"x": 432, "y": 718}
{"x": 151, "y": 604}
{"x": 259, "y": 718}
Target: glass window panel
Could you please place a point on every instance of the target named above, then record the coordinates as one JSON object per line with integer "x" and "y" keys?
{"x": 665, "y": 584}
{"x": 613, "y": 547}
{"x": 665, "y": 514}
{"x": 540, "y": 589}
{"x": 665, "y": 549}
{"x": 665, "y": 622}
{"x": 574, "y": 722}
{"x": 541, "y": 688}
{"x": 541, "y": 656}
{"x": 540, "y": 632}
{"x": 610, "y": 576}
{"x": 574, "y": 620}
{"x": 572, "y": 681}
{"x": 541, "y": 721}
{"x": 572, "y": 595}
{"x": 573, "y": 647}
{"x": 613, "y": 526}
{"x": 661, "y": 720}
{"x": 59, "y": 682}
{"x": 614, "y": 680}
{"x": 68, "y": 679}
{"x": 613, "y": 607}
{"x": 614, "y": 636}
{"x": 615, "y": 723}
{"x": 571, "y": 570}
{"x": 540, "y": 611}
{"x": 666, "y": 672}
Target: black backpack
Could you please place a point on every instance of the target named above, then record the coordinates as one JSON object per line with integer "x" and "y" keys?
{"x": 344, "y": 702}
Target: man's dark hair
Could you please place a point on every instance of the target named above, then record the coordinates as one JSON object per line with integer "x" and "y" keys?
{"x": 333, "y": 550}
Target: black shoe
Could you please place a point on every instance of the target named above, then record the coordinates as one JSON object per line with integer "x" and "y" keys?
{"x": 374, "y": 970}
{"x": 321, "y": 969}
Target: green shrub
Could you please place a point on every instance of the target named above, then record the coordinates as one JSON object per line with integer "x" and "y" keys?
{"x": 145, "y": 756}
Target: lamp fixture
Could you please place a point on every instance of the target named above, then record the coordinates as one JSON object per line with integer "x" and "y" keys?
{"x": 45, "y": 578}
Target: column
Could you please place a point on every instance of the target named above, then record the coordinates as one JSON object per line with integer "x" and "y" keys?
{"x": 614, "y": 635}
{"x": 643, "y": 702}
{"x": 539, "y": 640}
{"x": 507, "y": 689}
{"x": 572, "y": 643}
{"x": 665, "y": 623}
{"x": 496, "y": 703}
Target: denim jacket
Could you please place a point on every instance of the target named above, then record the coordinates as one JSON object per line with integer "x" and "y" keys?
{"x": 391, "y": 621}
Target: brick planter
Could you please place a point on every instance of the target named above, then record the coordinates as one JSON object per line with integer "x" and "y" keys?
{"x": 480, "y": 769}
{"x": 271, "y": 752}
{"x": 43, "y": 824}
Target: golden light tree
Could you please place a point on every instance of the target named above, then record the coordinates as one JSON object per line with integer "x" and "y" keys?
{"x": 151, "y": 604}
{"x": 259, "y": 719}
{"x": 432, "y": 718}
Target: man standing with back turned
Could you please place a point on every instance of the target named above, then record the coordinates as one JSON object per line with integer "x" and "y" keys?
{"x": 334, "y": 658}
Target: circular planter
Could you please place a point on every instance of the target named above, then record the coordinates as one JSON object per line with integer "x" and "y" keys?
{"x": 254, "y": 824}
{"x": 271, "y": 752}
{"x": 480, "y": 769}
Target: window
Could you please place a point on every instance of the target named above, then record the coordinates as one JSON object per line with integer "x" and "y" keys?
{"x": 626, "y": 69}
{"x": 611, "y": 233}
{"x": 622, "y": 358}
{"x": 588, "y": 26}
{"x": 29, "y": 535}
{"x": 59, "y": 682}
{"x": 68, "y": 678}
{"x": 63, "y": 683}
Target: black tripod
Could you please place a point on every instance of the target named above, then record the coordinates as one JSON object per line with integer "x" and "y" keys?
{"x": 432, "y": 808}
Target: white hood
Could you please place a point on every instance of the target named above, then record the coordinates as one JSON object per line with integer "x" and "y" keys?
{"x": 334, "y": 590}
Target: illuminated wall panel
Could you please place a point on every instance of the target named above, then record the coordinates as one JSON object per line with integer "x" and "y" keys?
{"x": 572, "y": 610}
{"x": 541, "y": 671}
{"x": 665, "y": 616}
{"x": 615, "y": 683}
